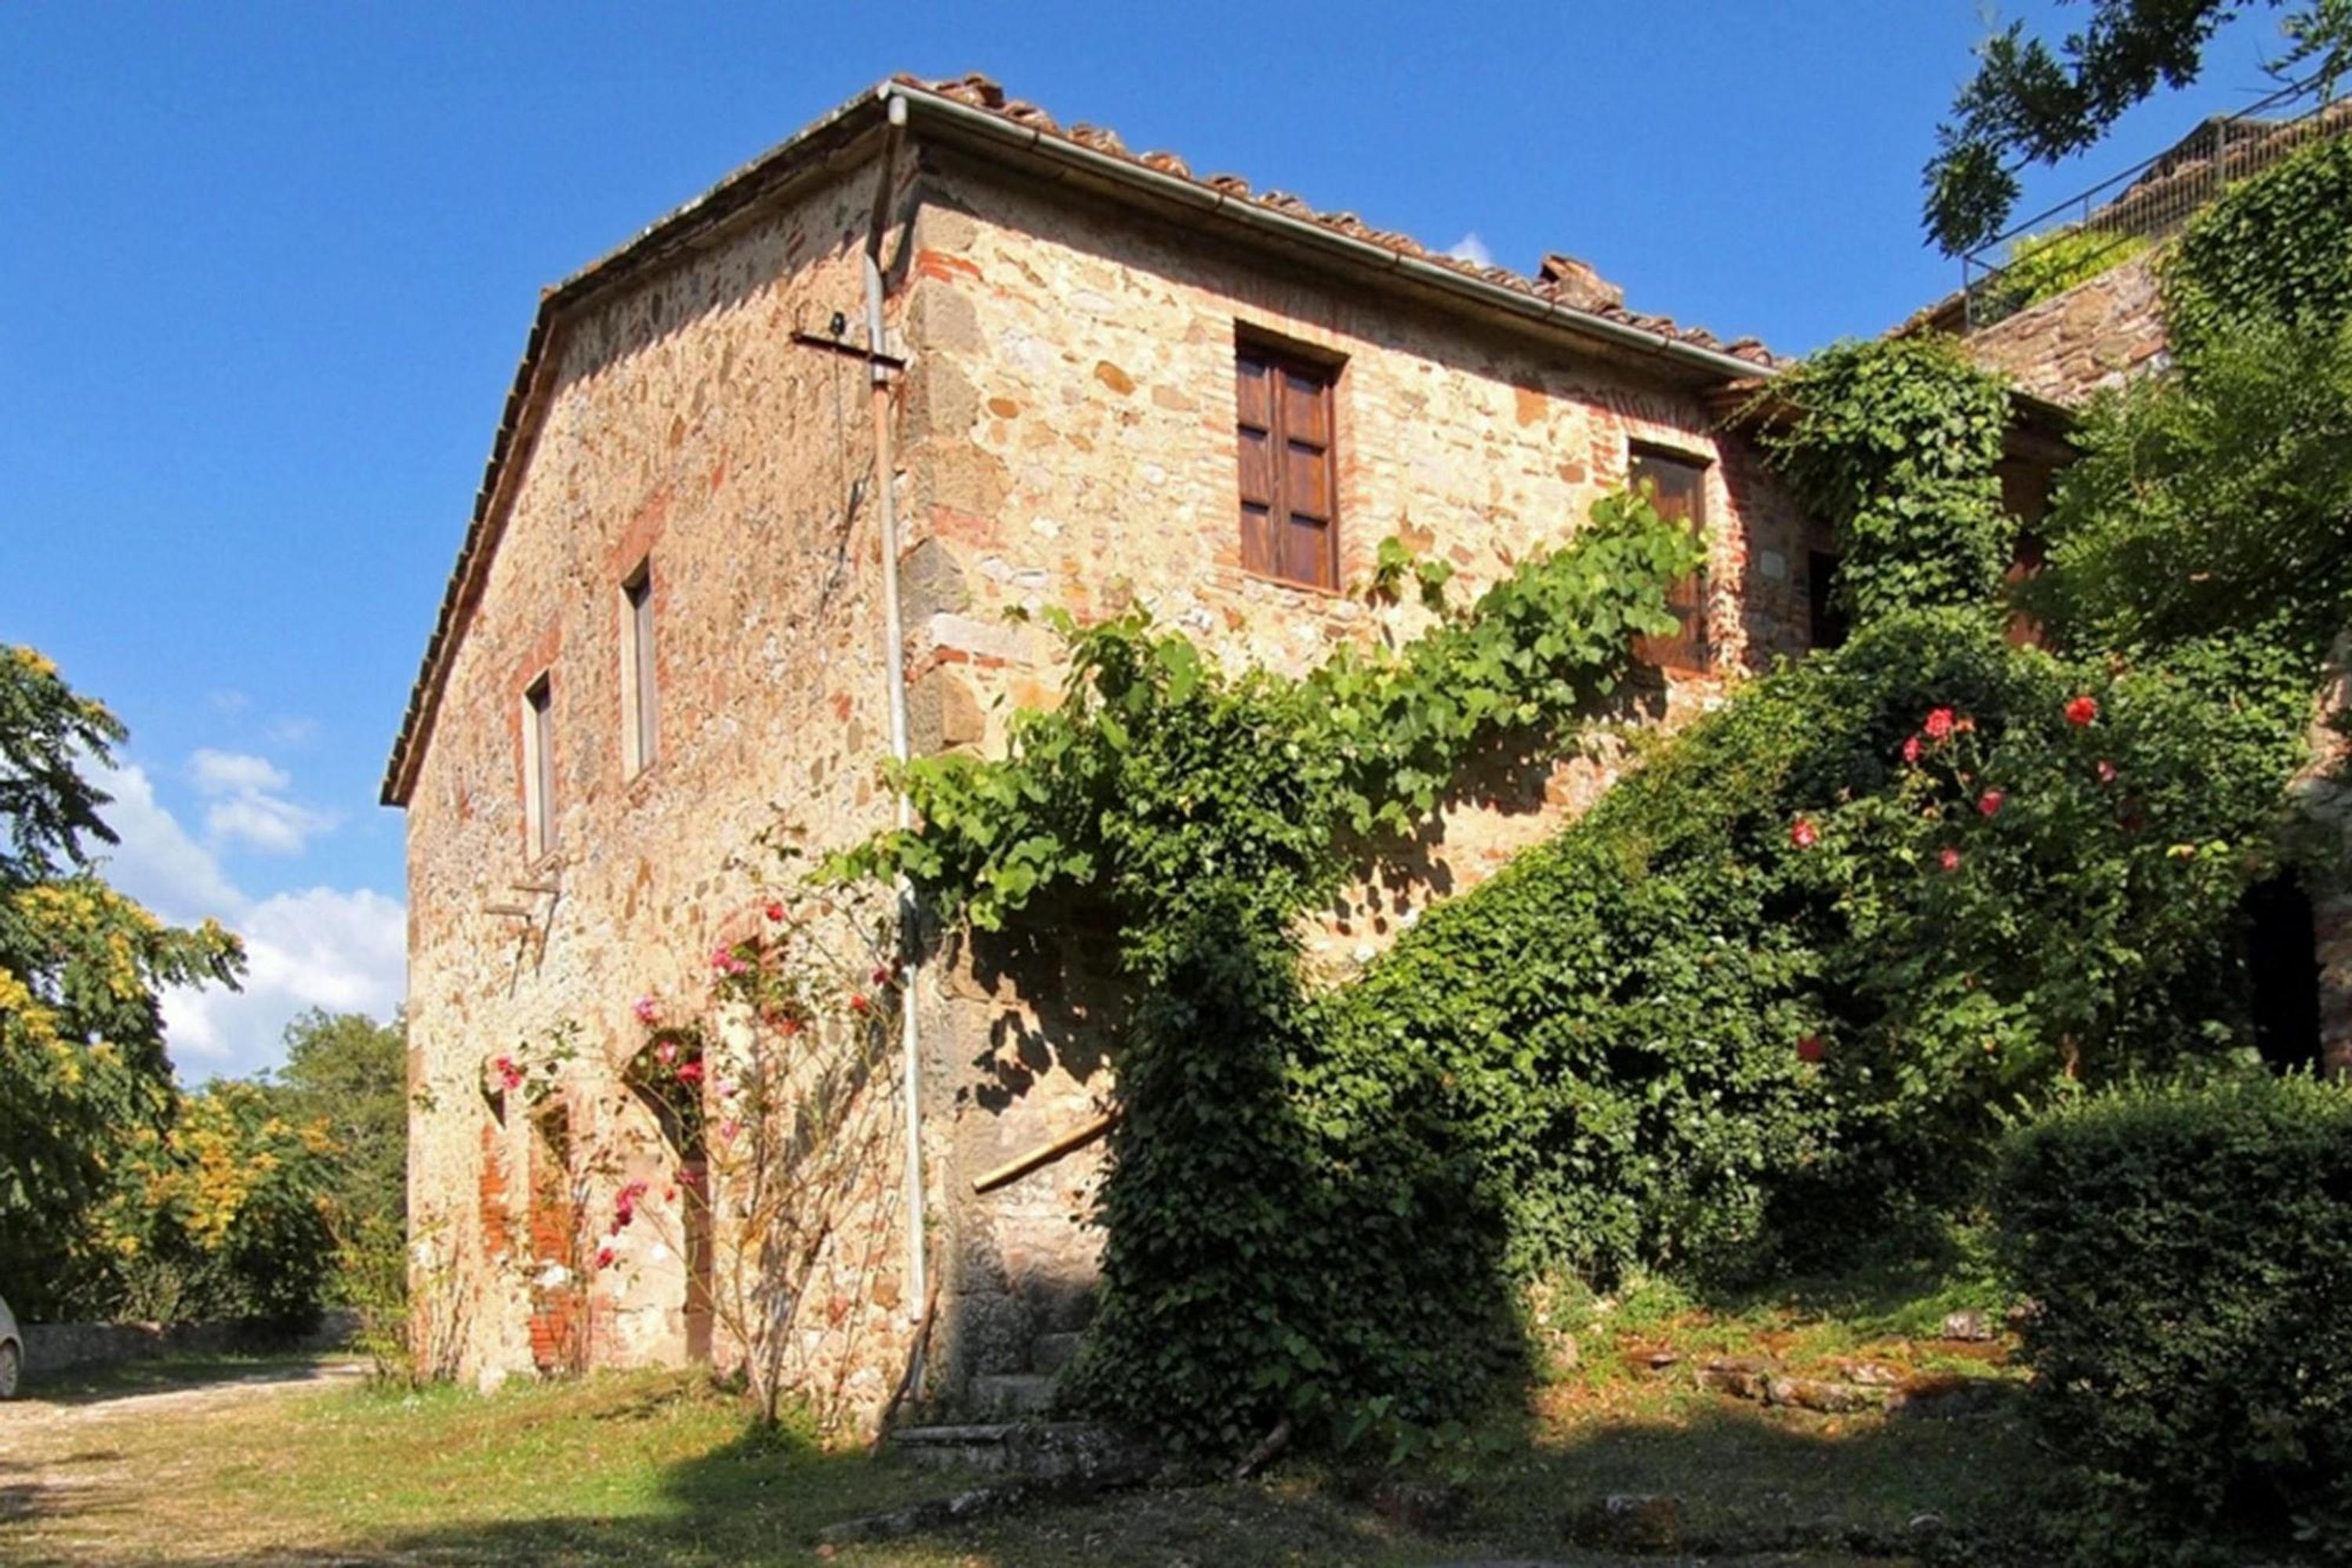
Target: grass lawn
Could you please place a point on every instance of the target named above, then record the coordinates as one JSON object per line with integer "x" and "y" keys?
{"x": 656, "y": 1469}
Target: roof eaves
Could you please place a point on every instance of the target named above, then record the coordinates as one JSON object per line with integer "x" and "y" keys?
{"x": 681, "y": 226}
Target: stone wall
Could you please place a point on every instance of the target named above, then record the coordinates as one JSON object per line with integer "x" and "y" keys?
{"x": 52, "y": 1348}
{"x": 1072, "y": 404}
{"x": 2100, "y": 334}
{"x": 680, "y": 420}
{"x": 1065, "y": 437}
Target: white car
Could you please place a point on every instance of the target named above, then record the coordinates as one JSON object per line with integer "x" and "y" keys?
{"x": 12, "y": 1353}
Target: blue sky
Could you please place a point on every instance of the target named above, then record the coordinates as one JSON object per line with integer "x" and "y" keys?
{"x": 265, "y": 271}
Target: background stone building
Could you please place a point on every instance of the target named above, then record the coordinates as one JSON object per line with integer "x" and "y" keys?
{"x": 1105, "y": 381}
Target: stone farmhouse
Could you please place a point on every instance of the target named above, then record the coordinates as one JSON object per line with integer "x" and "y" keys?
{"x": 788, "y": 457}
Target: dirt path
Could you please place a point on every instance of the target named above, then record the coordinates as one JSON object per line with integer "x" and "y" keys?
{"x": 77, "y": 1460}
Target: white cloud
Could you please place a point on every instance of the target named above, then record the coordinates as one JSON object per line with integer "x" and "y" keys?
{"x": 157, "y": 863}
{"x": 250, "y": 806}
{"x": 266, "y": 823}
{"x": 224, "y": 773}
{"x": 1473, "y": 249}
{"x": 321, "y": 947}
{"x": 343, "y": 950}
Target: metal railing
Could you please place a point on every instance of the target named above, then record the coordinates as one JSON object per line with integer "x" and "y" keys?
{"x": 2116, "y": 220}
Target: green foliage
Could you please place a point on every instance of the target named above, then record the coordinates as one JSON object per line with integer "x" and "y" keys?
{"x": 228, "y": 1215}
{"x": 350, "y": 1073}
{"x": 2210, "y": 502}
{"x": 1894, "y": 443}
{"x": 2189, "y": 1252}
{"x": 1201, "y": 812}
{"x": 2045, "y": 266}
{"x": 82, "y": 1068}
{"x": 1605, "y": 1047}
{"x": 2271, "y": 251}
{"x": 2031, "y": 104}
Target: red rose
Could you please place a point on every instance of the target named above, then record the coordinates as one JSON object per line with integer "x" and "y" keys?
{"x": 1810, "y": 1049}
{"x": 776, "y": 913}
{"x": 1940, "y": 723}
{"x": 689, "y": 1072}
{"x": 603, "y": 1258}
{"x": 1989, "y": 804}
{"x": 858, "y": 1003}
{"x": 510, "y": 1075}
{"x": 1911, "y": 750}
{"x": 789, "y": 1024}
{"x": 2081, "y": 710}
{"x": 1803, "y": 834}
{"x": 881, "y": 976}
{"x": 1951, "y": 859}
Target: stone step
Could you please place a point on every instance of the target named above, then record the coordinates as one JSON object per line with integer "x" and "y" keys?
{"x": 1051, "y": 1352}
{"x": 1013, "y": 1394}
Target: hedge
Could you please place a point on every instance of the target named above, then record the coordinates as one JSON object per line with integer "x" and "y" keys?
{"x": 2189, "y": 1252}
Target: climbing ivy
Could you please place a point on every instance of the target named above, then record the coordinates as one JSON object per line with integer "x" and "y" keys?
{"x": 1894, "y": 443}
{"x": 1202, "y": 812}
{"x": 2271, "y": 250}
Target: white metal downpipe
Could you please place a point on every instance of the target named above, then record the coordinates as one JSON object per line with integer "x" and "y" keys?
{"x": 894, "y": 661}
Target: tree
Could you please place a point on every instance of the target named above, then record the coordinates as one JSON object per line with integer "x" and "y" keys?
{"x": 2032, "y": 104}
{"x": 82, "y": 1064}
{"x": 351, "y": 1072}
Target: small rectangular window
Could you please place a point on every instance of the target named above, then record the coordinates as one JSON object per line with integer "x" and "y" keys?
{"x": 1678, "y": 487}
{"x": 639, "y": 690}
{"x": 539, "y": 768}
{"x": 1283, "y": 420}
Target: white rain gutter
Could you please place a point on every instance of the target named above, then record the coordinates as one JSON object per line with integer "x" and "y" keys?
{"x": 1077, "y": 157}
{"x": 894, "y": 661}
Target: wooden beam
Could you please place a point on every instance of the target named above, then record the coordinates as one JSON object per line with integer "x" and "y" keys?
{"x": 1013, "y": 1170}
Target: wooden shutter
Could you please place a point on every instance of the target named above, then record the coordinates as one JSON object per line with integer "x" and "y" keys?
{"x": 1283, "y": 422}
{"x": 1678, "y": 486}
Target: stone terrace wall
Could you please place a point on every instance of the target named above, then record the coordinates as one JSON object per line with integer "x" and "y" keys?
{"x": 2099, "y": 333}
{"x": 686, "y": 423}
{"x": 1072, "y": 401}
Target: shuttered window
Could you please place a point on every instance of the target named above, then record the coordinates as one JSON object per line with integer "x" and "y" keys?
{"x": 1678, "y": 490}
{"x": 1289, "y": 522}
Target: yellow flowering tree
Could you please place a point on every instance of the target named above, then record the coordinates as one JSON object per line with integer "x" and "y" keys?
{"x": 82, "y": 1067}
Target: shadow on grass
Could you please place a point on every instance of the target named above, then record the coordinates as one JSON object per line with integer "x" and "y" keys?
{"x": 1752, "y": 1486}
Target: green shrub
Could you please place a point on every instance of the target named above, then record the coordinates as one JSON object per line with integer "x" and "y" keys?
{"x": 2214, "y": 502}
{"x": 1895, "y": 443}
{"x": 1676, "y": 1036}
{"x": 2273, "y": 250}
{"x": 2045, "y": 266}
{"x": 2189, "y": 1253}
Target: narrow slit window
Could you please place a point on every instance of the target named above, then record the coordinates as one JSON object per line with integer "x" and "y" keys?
{"x": 640, "y": 692}
{"x": 1283, "y": 421}
{"x": 1678, "y": 486}
{"x": 539, "y": 768}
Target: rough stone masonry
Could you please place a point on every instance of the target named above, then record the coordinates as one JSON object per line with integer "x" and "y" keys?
{"x": 1061, "y": 322}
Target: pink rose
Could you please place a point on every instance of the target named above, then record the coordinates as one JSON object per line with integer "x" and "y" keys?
{"x": 1951, "y": 859}
{"x": 1989, "y": 804}
{"x": 648, "y": 1011}
{"x": 1803, "y": 834}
